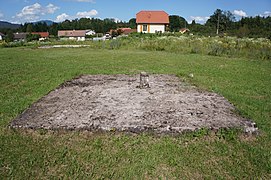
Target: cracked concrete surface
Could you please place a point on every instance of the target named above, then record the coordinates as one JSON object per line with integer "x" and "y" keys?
{"x": 113, "y": 102}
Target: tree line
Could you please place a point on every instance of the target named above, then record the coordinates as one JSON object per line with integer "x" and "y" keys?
{"x": 220, "y": 23}
{"x": 224, "y": 22}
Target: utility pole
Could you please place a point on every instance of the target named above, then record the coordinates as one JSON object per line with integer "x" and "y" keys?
{"x": 217, "y": 29}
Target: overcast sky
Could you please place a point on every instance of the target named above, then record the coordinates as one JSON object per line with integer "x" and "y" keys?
{"x": 21, "y": 11}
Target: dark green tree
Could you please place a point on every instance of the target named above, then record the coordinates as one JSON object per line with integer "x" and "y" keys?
{"x": 53, "y": 29}
{"x": 221, "y": 21}
{"x": 32, "y": 37}
{"x": 10, "y": 36}
{"x": 108, "y": 24}
{"x": 132, "y": 23}
{"x": 29, "y": 28}
{"x": 193, "y": 22}
{"x": 176, "y": 23}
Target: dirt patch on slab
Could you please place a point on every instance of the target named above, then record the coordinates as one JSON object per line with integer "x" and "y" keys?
{"x": 114, "y": 102}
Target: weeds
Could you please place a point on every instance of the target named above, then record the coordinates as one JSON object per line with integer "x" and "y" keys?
{"x": 215, "y": 46}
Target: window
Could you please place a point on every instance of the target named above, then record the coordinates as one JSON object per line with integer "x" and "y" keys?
{"x": 145, "y": 26}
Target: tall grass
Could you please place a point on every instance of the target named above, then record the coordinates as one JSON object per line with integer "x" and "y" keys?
{"x": 216, "y": 46}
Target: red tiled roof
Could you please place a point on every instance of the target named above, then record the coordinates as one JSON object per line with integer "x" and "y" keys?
{"x": 42, "y": 34}
{"x": 72, "y": 33}
{"x": 152, "y": 17}
{"x": 184, "y": 29}
{"x": 127, "y": 30}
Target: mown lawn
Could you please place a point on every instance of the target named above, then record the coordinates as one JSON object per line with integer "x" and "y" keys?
{"x": 28, "y": 74}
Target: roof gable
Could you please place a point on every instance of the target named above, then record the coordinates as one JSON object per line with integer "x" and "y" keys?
{"x": 152, "y": 17}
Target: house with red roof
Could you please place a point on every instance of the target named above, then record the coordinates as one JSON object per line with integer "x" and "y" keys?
{"x": 152, "y": 21}
{"x": 126, "y": 31}
{"x": 43, "y": 35}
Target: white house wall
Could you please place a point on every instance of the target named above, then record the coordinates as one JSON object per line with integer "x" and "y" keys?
{"x": 77, "y": 38}
{"x": 138, "y": 28}
{"x": 157, "y": 28}
{"x": 153, "y": 28}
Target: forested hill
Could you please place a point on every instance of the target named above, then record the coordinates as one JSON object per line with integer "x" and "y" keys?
{"x": 8, "y": 25}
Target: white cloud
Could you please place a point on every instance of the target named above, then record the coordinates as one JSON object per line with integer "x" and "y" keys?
{"x": 266, "y": 14}
{"x": 199, "y": 19}
{"x": 1, "y": 15}
{"x": 62, "y": 17}
{"x": 240, "y": 13}
{"x": 50, "y": 8}
{"x": 33, "y": 12}
{"x": 116, "y": 20}
{"x": 87, "y": 14}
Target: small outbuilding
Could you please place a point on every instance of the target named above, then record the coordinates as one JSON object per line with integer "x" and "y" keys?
{"x": 90, "y": 32}
{"x": 152, "y": 21}
{"x": 126, "y": 31}
{"x": 184, "y": 30}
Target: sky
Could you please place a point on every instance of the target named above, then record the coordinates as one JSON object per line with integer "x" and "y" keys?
{"x": 21, "y": 11}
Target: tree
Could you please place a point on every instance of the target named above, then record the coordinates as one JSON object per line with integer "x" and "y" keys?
{"x": 221, "y": 20}
{"x": 108, "y": 24}
{"x": 176, "y": 23}
{"x": 29, "y": 27}
{"x": 243, "y": 31}
{"x": 132, "y": 23}
{"x": 193, "y": 22}
{"x": 10, "y": 36}
{"x": 53, "y": 29}
{"x": 32, "y": 37}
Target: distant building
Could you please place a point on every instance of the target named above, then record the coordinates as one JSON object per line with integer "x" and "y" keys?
{"x": 43, "y": 35}
{"x": 90, "y": 32}
{"x": 126, "y": 31}
{"x": 152, "y": 21}
{"x": 78, "y": 35}
{"x": 1, "y": 36}
{"x": 122, "y": 31}
{"x": 184, "y": 30}
{"x": 20, "y": 36}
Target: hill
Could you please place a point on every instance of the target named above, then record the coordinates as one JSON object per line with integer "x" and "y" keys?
{"x": 48, "y": 22}
{"x": 4, "y": 24}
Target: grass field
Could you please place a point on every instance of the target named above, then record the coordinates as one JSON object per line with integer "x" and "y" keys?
{"x": 28, "y": 74}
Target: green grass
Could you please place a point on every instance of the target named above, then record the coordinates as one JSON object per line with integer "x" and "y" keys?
{"x": 28, "y": 74}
